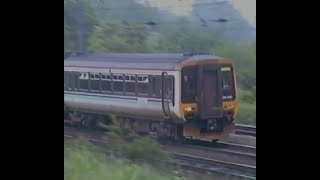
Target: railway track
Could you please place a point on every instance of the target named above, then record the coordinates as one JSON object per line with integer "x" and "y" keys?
{"x": 245, "y": 130}
{"x": 203, "y": 158}
{"x": 234, "y": 151}
{"x": 216, "y": 166}
{"x": 224, "y": 146}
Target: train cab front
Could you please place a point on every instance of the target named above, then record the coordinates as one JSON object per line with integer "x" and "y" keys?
{"x": 208, "y": 100}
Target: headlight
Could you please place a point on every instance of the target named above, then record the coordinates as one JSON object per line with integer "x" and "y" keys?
{"x": 229, "y": 107}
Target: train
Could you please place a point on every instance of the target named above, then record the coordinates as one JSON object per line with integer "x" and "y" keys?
{"x": 178, "y": 95}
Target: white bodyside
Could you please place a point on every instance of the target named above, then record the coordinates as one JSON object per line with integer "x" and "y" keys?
{"x": 125, "y": 105}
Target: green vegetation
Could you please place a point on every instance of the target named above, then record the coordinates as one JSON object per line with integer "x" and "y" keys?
{"x": 88, "y": 28}
{"x": 246, "y": 114}
{"x": 247, "y": 107}
{"x": 83, "y": 161}
{"x": 121, "y": 142}
{"x": 126, "y": 156}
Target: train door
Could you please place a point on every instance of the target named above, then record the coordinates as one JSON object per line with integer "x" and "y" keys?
{"x": 209, "y": 92}
{"x": 166, "y": 94}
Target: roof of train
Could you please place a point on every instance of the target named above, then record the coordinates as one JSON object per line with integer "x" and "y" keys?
{"x": 133, "y": 60}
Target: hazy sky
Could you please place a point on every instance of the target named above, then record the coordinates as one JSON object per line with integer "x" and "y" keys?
{"x": 247, "y": 8}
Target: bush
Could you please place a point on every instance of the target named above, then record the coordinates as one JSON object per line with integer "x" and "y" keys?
{"x": 246, "y": 114}
{"x": 122, "y": 142}
{"x": 247, "y": 96}
{"x": 247, "y": 107}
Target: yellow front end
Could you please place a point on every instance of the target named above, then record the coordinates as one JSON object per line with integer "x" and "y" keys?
{"x": 226, "y": 110}
{"x": 190, "y": 110}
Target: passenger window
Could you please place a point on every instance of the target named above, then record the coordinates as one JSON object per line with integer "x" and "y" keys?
{"x": 118, "y": 83}
{"x": 106, "y": 84}
{"x": 130, "y": 84}
{"x": 83, "y": 82}
{"x": 142, "y": 87}
{"x": 189, "y": 85}
{"x": 94, "y": 82}
{"x": 227, "y": 84}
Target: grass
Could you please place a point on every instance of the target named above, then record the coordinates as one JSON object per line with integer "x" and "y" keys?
{"x": 121, "y": 142}
{"x": 125, "y": 149}
{"x": 83, "y": 162}
{"x": 246, "y": 114}
{"x": 247, "y": 108}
